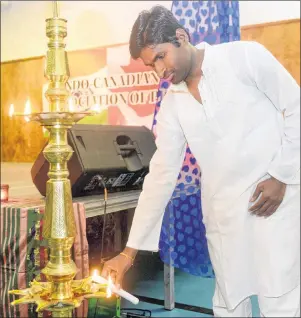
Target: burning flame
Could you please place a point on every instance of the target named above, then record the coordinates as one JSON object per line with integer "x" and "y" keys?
{"x": 96, "y": 108}
{"x": 70, "y": 104}
{"x": 27, "y": 110}
{"x": 109, "y": 286}
{"x": 95, "y": 273}
{"x": 11, "y": 110}
{"x": 93, "y": 285}
{"x": 110, "y": 283}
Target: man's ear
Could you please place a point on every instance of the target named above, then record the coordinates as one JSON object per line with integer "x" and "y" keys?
{"x": 182, "y": 36}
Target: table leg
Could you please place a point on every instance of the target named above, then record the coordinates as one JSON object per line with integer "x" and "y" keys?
{"x": 169, "y": 287}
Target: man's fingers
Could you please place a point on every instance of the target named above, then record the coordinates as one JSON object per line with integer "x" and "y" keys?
{"x": 105, "y": 272}
{"x": 261, "y": 211}
{"x": 256, "y": 194}
{"x": 271, "y": 210}
{"x": 258, "y": 205}
{"x": 113, "y": 275}
{"x": 116, "y": 277}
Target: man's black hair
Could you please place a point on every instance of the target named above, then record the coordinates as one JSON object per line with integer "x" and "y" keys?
{"x": 154, "y": 27}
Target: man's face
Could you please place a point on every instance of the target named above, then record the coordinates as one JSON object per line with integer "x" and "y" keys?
{"x": 169, "y": 62}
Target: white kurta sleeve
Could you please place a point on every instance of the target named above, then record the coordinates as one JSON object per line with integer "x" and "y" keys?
{"x": 279, "y": 86}
{"x": 160, "y": 182}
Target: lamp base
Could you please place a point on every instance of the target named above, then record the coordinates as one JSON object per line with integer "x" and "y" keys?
{"x": 40, "y": 293}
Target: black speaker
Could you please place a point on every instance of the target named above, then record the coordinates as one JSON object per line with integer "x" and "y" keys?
{"x": 117, "y": 156}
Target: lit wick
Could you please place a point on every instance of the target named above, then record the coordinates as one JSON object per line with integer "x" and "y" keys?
{"x": 94, "y": 286}
{"x": 95, "y": 273}
{"x": 27, "y": 110}
{"x": 70, "y": 104}
{"x": 98, "y": 108}
{"x": 120, "y": 292}
{"x": 11, "y": 110}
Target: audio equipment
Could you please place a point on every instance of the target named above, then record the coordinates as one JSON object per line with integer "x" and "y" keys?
{"x": 115, "y": 156}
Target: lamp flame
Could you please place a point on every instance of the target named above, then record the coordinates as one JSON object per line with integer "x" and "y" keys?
{"x": 95, "y": 273}
{"x": 27, "y": 110}
{"x": 11, "y": 110}
{"x": 109, "y": 283}
{"x": 70, "y": 104}
{"x": 96, "y": 108}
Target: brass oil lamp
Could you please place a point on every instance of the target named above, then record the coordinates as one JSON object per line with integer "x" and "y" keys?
{"x": 60, "y": 293}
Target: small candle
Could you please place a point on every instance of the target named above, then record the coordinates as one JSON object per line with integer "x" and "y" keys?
{"x": 4, "y": 192}
{"x": 120, "y": 292}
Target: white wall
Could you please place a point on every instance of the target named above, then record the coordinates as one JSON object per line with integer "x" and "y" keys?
{"x": 254, "y": 12}
{"x": 98, "y": 23}
{"x": 90, "y": 24}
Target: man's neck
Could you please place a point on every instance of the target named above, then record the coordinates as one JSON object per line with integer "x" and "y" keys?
{"x": 195, "y": 73}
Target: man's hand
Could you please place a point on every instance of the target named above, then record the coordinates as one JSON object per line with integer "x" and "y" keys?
{"x": 272, "y": 192}
{"x": 119, "y": 265}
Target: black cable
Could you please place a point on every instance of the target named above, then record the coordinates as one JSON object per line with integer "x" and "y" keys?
{"x": 104, "y": 223}
{"x": 103, "y": 228}
{"x": 135, "y": 312}
{"x": 104, "y": 215}
{"x": 182, "y": 306}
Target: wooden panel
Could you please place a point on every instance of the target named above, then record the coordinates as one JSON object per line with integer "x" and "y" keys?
{"x": 22, "y": 142}
{"x": 282, "y": 39}
{"x": 20, "y": 80}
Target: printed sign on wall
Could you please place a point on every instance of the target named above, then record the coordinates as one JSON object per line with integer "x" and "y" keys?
{"x": 123, "y": 89}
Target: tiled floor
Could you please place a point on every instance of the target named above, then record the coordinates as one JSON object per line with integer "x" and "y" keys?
{"x": 146, "y": 279}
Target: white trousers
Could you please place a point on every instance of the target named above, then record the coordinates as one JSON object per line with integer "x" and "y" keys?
{"x": 287, "y": 305}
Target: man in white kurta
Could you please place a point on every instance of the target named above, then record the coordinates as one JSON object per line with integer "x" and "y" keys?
{"x": 245, "y": 133}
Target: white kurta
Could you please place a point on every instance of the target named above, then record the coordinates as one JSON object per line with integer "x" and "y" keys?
{"x": 247, "y": 129}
